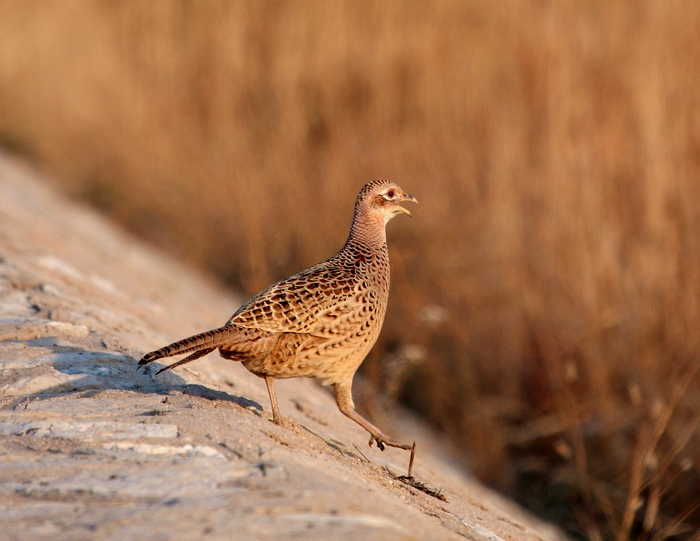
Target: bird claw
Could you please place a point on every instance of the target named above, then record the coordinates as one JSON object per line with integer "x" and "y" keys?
{"x": 380, "y": 442}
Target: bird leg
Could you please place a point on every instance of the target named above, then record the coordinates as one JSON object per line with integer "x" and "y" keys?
{"x": 276, "y": 415}
{"x": 346, "y": 405}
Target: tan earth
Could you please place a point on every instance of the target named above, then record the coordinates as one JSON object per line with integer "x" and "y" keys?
{"x": 92, "y": 449}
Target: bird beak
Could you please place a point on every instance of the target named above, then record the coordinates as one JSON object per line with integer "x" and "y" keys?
{"x": 408, "y": 197}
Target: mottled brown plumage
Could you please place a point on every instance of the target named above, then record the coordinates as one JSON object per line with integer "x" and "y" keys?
{"x": 318, "y": 323}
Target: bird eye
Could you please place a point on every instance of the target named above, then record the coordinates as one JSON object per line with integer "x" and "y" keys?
{"x": 391, "y": 193}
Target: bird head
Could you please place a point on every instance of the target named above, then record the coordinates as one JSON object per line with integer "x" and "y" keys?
{"x": 384, "y": 198}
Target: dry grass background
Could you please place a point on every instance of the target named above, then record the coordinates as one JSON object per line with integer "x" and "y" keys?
{"x": 546, "y": 298}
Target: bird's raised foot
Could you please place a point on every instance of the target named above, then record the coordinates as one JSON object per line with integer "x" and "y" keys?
{"x": 382, "y": 441}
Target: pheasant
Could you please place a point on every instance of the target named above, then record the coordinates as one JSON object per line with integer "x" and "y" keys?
{"x": 320, "y": 322}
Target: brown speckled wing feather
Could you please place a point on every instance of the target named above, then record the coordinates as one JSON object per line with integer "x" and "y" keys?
{"x": 305, "y": 303}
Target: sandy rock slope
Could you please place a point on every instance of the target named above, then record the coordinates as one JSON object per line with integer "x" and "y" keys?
{"x": 92, "y": 449}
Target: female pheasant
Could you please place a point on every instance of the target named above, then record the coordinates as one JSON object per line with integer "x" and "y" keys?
{"x": 319, "y": 323}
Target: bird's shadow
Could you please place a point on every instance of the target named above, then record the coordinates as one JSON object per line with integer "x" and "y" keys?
{"x": 202, "y": 391}
{"x": 101, "y": 371}
{"x": 191, "y": 389}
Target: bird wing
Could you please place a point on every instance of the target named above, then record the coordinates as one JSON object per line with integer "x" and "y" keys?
{"x": 318, "y": 301}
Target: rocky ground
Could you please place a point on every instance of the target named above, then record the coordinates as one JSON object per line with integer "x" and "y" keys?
{"x": 92, "y": 449}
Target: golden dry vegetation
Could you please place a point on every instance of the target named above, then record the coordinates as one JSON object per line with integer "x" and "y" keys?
{"x": 545, "y": 310}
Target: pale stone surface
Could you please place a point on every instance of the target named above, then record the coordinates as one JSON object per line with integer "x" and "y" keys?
{"x": 92, "y": 449}
{"x": 88, "y": 431}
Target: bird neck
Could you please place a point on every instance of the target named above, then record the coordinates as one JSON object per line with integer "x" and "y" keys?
{"x": 367, "y": 230}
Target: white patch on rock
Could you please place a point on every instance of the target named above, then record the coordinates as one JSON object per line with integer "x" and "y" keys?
{"x": 100, "y": 429}
{"x": 150, "y": 449}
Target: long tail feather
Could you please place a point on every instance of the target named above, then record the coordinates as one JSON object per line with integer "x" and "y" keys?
{"x": 196, "y": 355}
{"x": 207, "y": 340}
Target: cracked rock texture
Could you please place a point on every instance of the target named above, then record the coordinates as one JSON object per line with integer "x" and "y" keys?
{"x": 92, "y": 449}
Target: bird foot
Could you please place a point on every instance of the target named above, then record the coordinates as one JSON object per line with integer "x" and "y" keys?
{"x": 383, "y": 441}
